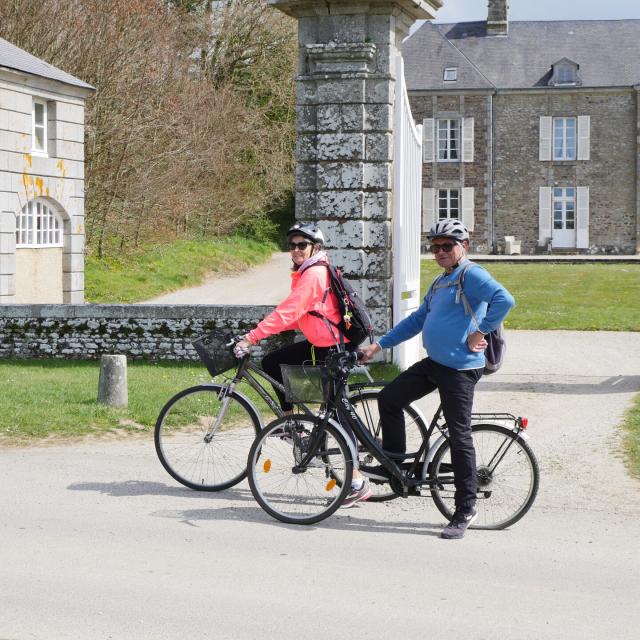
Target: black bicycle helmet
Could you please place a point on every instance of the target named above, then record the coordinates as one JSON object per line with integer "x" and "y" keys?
{"x": 308, "y": 231}
{"x": 449, "y": 228}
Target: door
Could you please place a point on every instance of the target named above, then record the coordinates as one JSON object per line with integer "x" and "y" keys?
{"x": 564, "y": 217}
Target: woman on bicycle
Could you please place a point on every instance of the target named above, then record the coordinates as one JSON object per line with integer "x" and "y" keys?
{"x": 310, "y": 292}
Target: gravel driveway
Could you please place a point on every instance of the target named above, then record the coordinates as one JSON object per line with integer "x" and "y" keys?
{"x": 96, "y": 541}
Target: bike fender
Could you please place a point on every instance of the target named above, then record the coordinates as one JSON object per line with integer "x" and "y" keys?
{"x": 347, "y": 438}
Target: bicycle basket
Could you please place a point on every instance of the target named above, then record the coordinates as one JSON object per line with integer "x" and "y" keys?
{"x": 305, "y": 383}
{"x": 214, "y": 351}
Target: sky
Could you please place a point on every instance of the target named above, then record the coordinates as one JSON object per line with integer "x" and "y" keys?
{"x": 470, "y": 10}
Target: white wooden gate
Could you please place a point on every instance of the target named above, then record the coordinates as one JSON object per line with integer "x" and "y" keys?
{"x": 407, "y": 187}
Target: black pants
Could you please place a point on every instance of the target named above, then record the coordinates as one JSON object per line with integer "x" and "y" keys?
{"x": 296, "y": 353}
{"x": 456, "y": 390}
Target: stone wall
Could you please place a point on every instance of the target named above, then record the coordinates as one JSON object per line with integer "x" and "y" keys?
{"x": 141, "y": 332}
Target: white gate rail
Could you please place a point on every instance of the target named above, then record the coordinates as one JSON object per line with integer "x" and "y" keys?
{"x": 407, "y": 187}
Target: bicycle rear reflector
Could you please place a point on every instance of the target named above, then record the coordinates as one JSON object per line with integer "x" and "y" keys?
{"x": 331, "y": 484}
{"x": 266, "y": 467}
{"x": 524, "y": 422}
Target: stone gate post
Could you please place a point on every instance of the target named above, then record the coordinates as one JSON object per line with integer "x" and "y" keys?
{"x": 345, "y": 108}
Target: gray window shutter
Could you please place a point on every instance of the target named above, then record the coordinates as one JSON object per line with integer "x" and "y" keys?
{"x": 467, "y": 139}
{"x": 467, "y": 208}
{"x": 545, "y": 138}
{"x": 428, "y": 139}
{"x": 584, "y": 137}
{"x": 544, "y": 215}
{"x": 429, "y": 211}
{"x": 582, "y": 210}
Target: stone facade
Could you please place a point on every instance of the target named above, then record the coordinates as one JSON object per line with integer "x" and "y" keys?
{"x": 141, "y": 332}
{"x": 47, "y": 173}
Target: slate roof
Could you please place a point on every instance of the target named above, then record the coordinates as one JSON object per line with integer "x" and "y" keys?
{"x": 12, "y": 57}
{"x": 608, "y": 52}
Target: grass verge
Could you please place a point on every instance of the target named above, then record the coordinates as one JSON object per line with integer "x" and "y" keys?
{"x": 57, "y": 398}
{"x": 631, "y": 438}
{"x": 162, "y": 268}
{"x": 579, "y": 297}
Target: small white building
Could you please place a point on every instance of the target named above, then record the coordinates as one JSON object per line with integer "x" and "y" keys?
{"x": 41, "y": 180}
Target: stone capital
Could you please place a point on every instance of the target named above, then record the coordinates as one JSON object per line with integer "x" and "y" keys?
{"x": 415, "y": 9}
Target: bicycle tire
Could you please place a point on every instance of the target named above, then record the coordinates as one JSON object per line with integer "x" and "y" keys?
{"x": 365, "y": 402}
{"x": 290, "y": 495}
{"x": 180, "y": 438}
{"x": 505, "y": 493}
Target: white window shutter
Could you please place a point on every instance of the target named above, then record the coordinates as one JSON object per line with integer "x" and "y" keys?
{"x": 584, "y": 137}
{"x": 545, "y": 137}
{"x": 582, "y": 226}
{"x": 428, "y": 208}
{"x": 428, "y": 139}
{"x": 467, "y": 139}
{"x": 544, "y": 215}
{"x": 467, "y": 207}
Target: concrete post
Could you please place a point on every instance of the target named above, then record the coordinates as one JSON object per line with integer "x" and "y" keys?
{"x": 112, "y": 385}
{"x": 345, "y": 104}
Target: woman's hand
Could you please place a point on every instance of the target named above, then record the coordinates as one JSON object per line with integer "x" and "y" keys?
{"x": 369, "y": 351}
{"x": 241, "y": 348}
{"x": 476, "y": 342}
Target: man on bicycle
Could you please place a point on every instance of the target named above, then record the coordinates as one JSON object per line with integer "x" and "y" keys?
{"x": 454, "y": 363}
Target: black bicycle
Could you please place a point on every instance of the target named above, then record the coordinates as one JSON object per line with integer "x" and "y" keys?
{"x": 203, "y": 433}
{"x": 300, "y": 467}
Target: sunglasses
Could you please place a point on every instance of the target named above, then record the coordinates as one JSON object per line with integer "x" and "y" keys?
{"x": 445, "y": 246}
{"x": 301, "y": 246}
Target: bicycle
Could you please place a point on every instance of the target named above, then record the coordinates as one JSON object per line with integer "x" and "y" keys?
{"x": 203, "y": 433}
{"x": 306, "y": 483}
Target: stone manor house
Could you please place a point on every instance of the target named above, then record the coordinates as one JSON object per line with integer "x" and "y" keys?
{"x": 530, "y": 130}
{"x": 41, "y": 180}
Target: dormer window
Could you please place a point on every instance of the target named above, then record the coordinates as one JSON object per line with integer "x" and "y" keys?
{"x": 450, "y": 74}
{"x": 565, "y": 73}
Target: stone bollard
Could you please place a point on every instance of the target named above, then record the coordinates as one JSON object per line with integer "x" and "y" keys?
{"x": 112, "y": 385}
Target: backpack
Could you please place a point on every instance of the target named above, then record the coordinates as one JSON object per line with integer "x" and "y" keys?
{"x": 496, "y": 341}
{"x": 355, "y": 323}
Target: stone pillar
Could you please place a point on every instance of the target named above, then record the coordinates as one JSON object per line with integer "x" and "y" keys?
{"x": 637, "y": 89}
{"x": 345, "y": 103}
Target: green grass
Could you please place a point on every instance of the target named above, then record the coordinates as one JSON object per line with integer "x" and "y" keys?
{"x": 631, "y": 438}
{"x": 44, "y": 398}
{"x": 581, "y": 297}
{"x": 158, "y": 269}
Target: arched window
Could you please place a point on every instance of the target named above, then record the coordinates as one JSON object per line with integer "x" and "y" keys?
{"x": 38, "y": 226}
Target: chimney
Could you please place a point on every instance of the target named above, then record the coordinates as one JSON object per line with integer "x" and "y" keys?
{"x": 497, "y": 23}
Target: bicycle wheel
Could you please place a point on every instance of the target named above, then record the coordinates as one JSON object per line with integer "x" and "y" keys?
{"x": 203, "y": 440}
{"x": 507, "y": 473}
{"x": 365, "y": 402}
{"x": 291, "y": 494}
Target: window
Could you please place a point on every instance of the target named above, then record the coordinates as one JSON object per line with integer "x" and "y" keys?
{"x": 564, "y": 138}
{"x": 38, "y": 226}
{"x": 449, "y": 140}
{"x": 448, "y": 203}
{"x": 564, "y": 208}
{"x": 566, "y": 75}
{"x": 39, "y": 126}
{"x": 450, "y": 74}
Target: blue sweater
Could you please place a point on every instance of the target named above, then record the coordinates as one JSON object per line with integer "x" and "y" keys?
{"x": 443, "y": 322}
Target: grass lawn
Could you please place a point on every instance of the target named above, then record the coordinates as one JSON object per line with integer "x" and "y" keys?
{"x": 158, "y": 269}
{"x": 43, "y": 398}
{"x": 581, "y": 297}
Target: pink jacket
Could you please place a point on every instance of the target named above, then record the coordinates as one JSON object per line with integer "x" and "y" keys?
{"x": 307, "y": 292}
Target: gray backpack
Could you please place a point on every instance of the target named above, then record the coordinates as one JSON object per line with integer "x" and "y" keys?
{"x": 496, "y": 342}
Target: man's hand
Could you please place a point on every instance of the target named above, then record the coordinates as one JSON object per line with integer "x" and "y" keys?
{"x": 476, "y": 341}
{"x": 369, "y": 351}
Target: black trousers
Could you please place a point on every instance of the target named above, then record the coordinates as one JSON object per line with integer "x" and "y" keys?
{"x": 456, "y": 390}
{"x": 295, "y": 353}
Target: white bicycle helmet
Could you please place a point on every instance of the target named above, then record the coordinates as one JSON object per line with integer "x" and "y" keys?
{"x": 449, "y": 228}
{"x": 307, "y": 231}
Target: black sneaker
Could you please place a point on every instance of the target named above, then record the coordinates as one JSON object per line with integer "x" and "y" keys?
{"x": 461, "y": 519}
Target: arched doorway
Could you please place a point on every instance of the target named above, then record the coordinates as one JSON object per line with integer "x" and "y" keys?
{"x": 41, "y": 227}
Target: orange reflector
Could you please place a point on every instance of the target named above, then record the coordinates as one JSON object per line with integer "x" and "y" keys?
{"x": 332, "y": 483}
{"x": 524, "y": 422}
{"x": 266, "y": 467}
